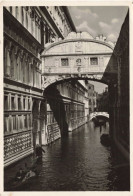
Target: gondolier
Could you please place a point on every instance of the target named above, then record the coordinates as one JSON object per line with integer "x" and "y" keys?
{"x": 39, "y": 151}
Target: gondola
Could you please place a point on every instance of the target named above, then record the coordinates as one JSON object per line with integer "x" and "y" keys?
{"x": 17, "y": 185}
{"x": 105, "y": 139}
{"x": 14, "y": 184}
{"x": 98, "y": 122}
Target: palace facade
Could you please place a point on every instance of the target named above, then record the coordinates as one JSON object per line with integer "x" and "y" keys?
{"x": 27, "y": 30}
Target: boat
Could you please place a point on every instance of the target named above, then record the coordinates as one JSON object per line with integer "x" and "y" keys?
{"x": 18, "y": 185}
{"x": 98, "y": 122}
{"x": 33, "y": 172}
{"x": 105, "y": 139}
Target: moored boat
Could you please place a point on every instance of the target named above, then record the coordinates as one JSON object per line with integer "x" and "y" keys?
{"x": 105, "y": 139}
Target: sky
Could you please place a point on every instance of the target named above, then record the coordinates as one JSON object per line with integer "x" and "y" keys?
{"x": 97, "y": 20}
{"x": 106, "y": 20}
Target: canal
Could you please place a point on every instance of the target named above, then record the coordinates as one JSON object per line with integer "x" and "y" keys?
{"x": 78, "y": 163}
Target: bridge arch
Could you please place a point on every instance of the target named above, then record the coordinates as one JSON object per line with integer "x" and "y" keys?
{"x": 96, "y": 114}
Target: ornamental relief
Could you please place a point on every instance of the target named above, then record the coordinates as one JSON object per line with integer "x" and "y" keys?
{"x": 78, "y": 47}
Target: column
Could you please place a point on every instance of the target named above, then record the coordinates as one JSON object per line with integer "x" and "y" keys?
{"x": 10, "y": 123}
{"x": 26, "y": 103}
{"x": 24, "y": 11}
{"x": 27, "y": 71}
{"x": 21, "y": 66}
{"x": 37, "y": 29}
{"x": 34, "y": 27}
{"x": 22, "y": 122}
{"x": 9, "y": 99}
{"x": 14, "y": 11}
{"x": 35, "y": 75}
{"x": 8, "y": 8}
{"x": 21, "y": 101}
{"x": 39, "y": 34}
{"x": 8, "y": 65}
{"x": 29, "y": 74}
{"x": 20, "y": 14}
{"x": 29, "y": 20}
{"x": 5, "y": 58}
{"x": 40, "y": 77}
{"x": 44, "y": 34}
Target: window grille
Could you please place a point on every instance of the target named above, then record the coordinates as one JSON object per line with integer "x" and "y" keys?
{"x": 64, "y": 62}
{"x": 94, "y": 61}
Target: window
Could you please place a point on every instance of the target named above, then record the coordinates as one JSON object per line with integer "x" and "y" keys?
{"x": 5, "y": 124}
{"x": 94, "y": 61}
{"x": 19, "y": 103}
{"x": 6, "y": 102}
{"x": 78, "y": 62}
{"x": 46, "y": 35}
{"x": 14, "y": 122}
{"x": 64, "y": 62}
{"x": 28, "y": 104}
{"x": 20, "y": 123}
{"x": 23, "y": 103}
{"x": 12, "y": 103}
{"x": 25, "y": 121}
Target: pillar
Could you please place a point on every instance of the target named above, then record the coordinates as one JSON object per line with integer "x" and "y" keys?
{"x": 20, "y": 14}
{"x": 14, "y": 11}
{"x": 8, "y": 61}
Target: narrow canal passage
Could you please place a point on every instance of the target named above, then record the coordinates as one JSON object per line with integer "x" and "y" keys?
{"x": 80, "y": 163}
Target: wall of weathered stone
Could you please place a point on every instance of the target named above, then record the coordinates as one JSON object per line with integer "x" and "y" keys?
{"x": 119, "y": 92}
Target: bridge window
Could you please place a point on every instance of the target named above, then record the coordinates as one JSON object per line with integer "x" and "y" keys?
{"x": 94, "y": 61}
{"x": 64, "y": 62}
{"x": 78, "y": 62}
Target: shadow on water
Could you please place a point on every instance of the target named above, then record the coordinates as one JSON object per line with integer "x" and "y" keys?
{"x": 53, "y": 97}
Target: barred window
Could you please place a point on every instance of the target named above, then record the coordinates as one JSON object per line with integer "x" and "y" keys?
{"x": 78, "y": 62}
{"x": 94, "y": 61}
{"x": 64, "y": 62}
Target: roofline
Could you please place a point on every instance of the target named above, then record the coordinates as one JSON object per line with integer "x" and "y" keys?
{"x": 67, "y": 13}
{"x": 77, "y": 40}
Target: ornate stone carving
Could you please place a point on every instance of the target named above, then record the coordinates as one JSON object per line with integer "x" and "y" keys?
{"x": 78, "y": 47}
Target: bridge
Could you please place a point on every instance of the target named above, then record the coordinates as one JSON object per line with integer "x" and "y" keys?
{"x": 95, "y": 114}
{"x": 78, "y": 56}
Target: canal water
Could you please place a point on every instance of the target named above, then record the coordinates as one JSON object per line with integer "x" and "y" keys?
{"x": 78, "y": 163}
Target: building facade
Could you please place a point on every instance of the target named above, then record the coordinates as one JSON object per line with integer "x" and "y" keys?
{"x": 103, "y": 101}
{"x": 92, "y": 96}
{"x": 27, "y": 30}
{"x": 119, "y": 95}
{"x": 66, "y": 108}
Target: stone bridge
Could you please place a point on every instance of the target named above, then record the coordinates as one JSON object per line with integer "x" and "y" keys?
{"x": 78, "y": 56}
{"x": 94, "y": 114}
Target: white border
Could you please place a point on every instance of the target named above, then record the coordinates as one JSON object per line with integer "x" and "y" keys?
{"x": 65, "y": 3}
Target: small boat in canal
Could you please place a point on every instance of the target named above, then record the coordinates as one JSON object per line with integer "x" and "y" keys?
{"x": 105, "y": 139}
{"x": 98, "y": 122}
{"x": 19, "y": 181}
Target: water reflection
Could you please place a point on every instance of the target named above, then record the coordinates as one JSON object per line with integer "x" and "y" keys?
{"x": 80, "y": 162}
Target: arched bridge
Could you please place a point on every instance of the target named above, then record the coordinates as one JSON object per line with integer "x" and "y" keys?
{"x": 78, "y": 56}
{"x": 95, "y": 114}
